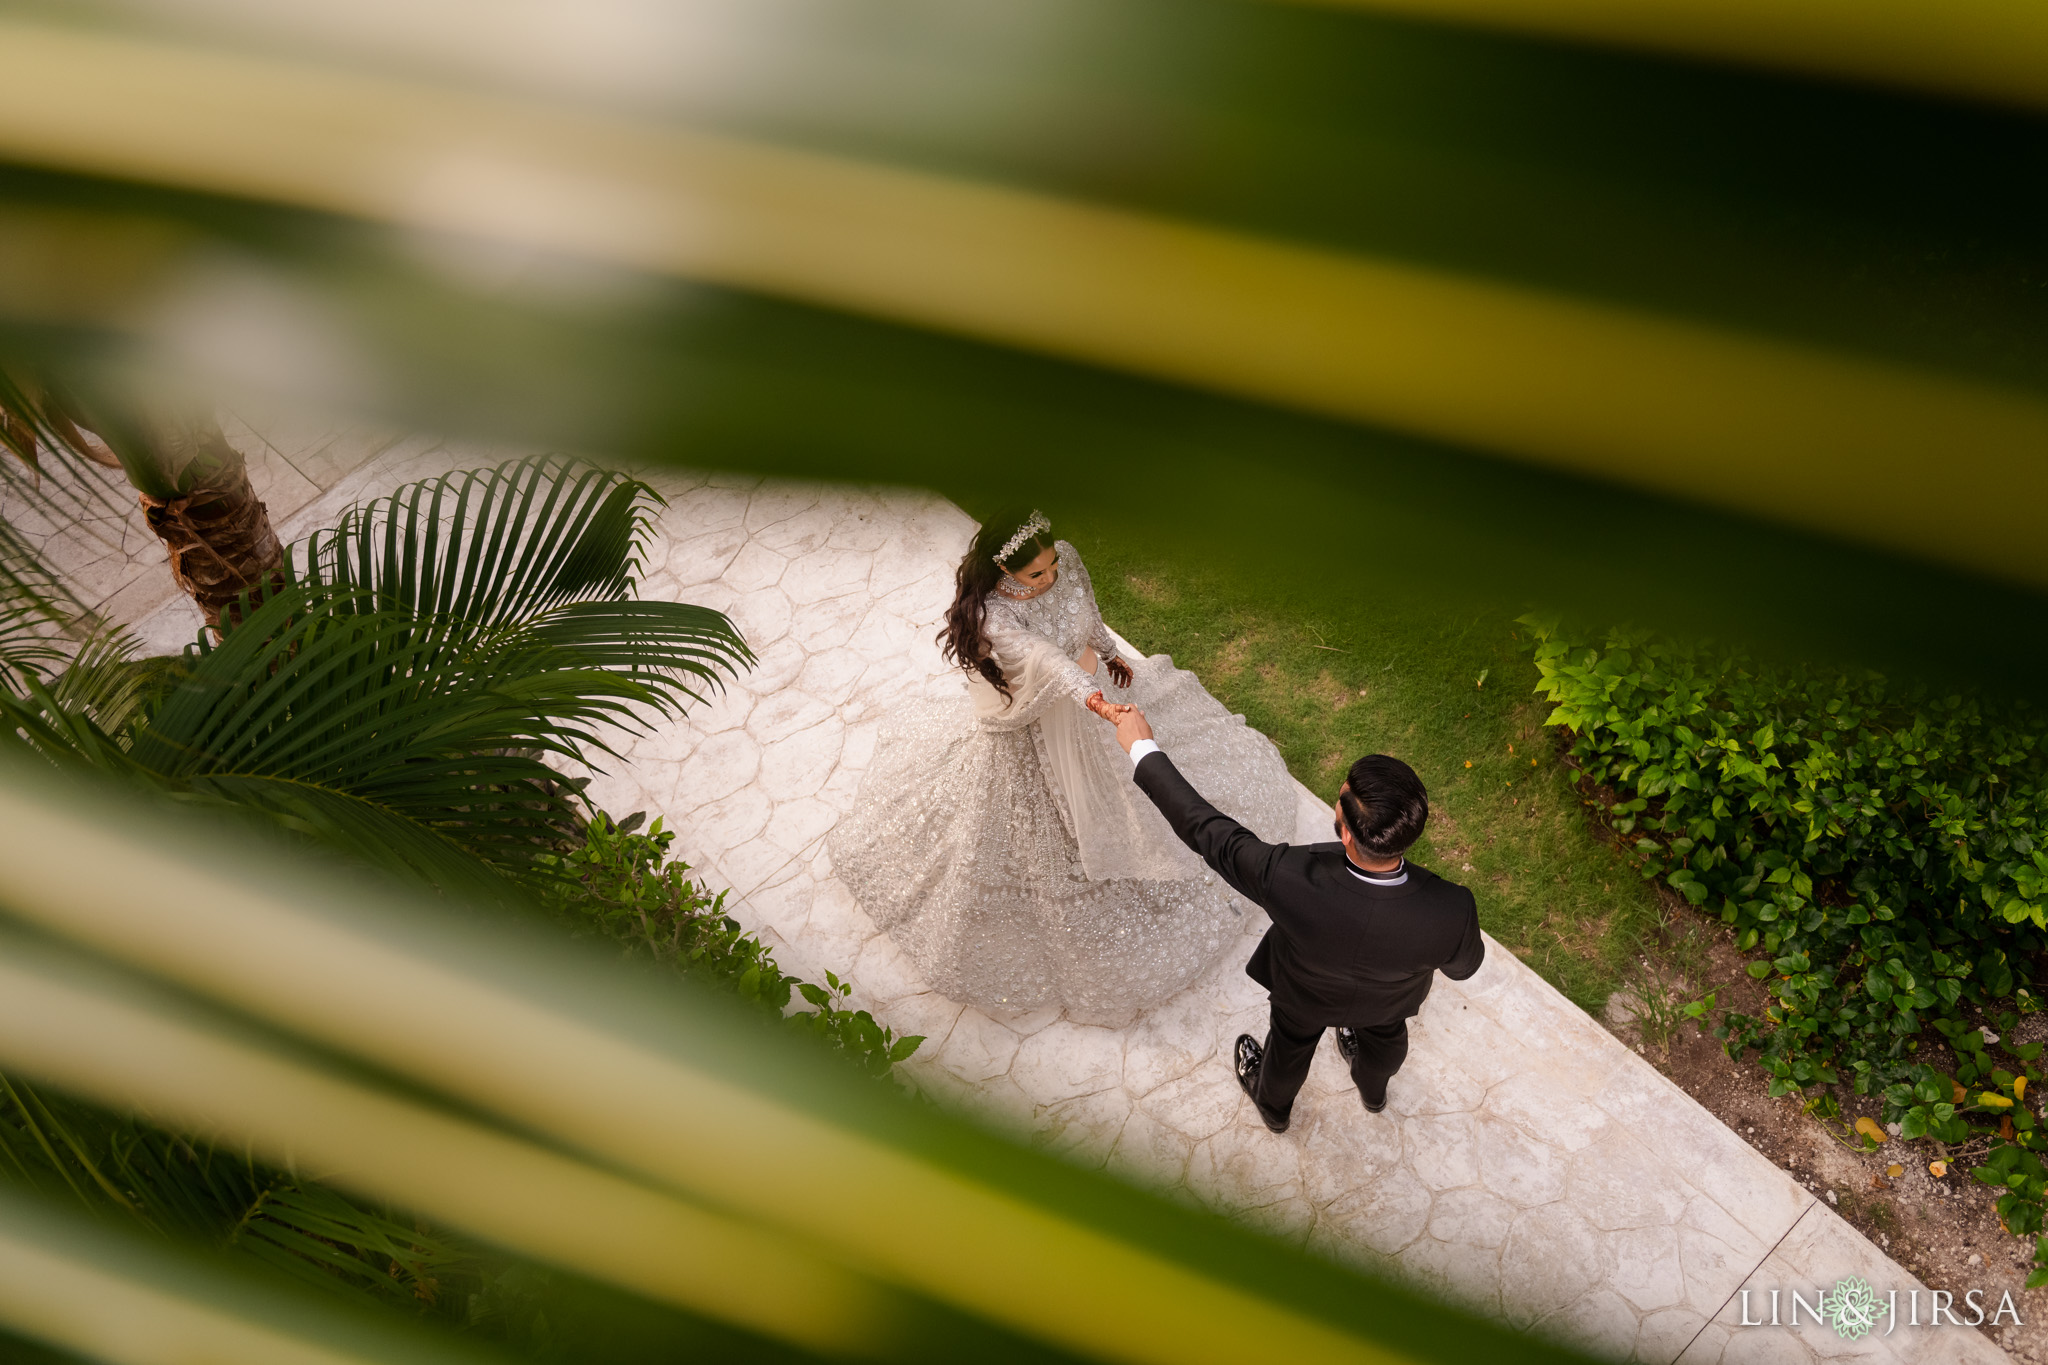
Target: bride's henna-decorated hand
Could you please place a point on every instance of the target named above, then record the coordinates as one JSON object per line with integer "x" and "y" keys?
{"x": 1119, "y": 672}
{"x": 1114, "y": 712}
{"x": 1111, "y": 711}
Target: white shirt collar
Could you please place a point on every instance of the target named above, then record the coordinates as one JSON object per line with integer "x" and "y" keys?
{"x": 1394, "y": 878}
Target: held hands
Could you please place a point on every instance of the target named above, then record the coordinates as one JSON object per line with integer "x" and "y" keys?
{"x": 1130, "y": 722}
{"x": 1105, "y": 708}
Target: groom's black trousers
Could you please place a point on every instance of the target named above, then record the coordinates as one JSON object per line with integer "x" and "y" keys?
{"x": 1291, "y": 1047}
{"x": 1341, "y": 948}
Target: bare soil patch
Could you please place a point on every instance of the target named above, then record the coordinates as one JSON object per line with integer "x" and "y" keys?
{"x": 1942, "y": 1229}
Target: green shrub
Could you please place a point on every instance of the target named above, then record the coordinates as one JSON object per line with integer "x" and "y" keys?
{"x": 1884, "y": 849}
{"x": 622, "y": 884}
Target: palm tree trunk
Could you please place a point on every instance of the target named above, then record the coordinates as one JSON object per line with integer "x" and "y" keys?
{"x": 217, "y": 532}
{"x": 193, "y": 486}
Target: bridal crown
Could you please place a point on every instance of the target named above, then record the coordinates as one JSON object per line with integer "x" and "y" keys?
{"x": 1025, "y": 532}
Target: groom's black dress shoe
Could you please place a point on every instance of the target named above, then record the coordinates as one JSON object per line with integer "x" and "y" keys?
{"x": 1249, "y": 1055}
{"x": 1347, "y": 1047}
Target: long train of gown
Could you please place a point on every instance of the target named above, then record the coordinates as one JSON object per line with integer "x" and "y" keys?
{"x": 959, "y": 847}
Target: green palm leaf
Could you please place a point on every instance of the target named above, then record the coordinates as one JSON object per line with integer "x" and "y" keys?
{"x": 66, "y": 736}
{"x": 542, "y": 547}
{"x": 122, "y": 1168}
{"x": 38, "y": 419}
{"x": 402, "y": 689}
{"x": 376, "y": 732}
{"x": 320, "y": 1235}
{"x": 47, "y": 635}
{"x": 35, "y": 611}
{"x": 398, "y": 695}
{"x": 374, "y": 834}
{"x": 104, "y": 681}
{"x": 658, "y": 644}
{"x": 348, "y": 823}
{"x": 491, "y": 545}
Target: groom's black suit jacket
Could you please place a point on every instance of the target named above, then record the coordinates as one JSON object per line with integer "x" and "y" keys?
{"x": 1341, "y": 951}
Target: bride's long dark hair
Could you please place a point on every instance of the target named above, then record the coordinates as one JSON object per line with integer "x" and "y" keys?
{"x": 961, "y": 639}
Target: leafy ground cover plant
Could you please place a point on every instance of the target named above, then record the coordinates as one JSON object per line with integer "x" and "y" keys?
{"x": 621, "y": 883}
{"x": 1881, "y": 848}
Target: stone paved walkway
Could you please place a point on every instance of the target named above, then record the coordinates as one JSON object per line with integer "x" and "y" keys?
{"x": 1528, "y": 1164}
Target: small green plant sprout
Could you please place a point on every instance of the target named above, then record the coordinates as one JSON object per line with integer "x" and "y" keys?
{"x": 2038, "y": 1276}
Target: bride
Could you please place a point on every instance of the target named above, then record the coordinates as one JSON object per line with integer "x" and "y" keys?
{"x": 999, "y": 838}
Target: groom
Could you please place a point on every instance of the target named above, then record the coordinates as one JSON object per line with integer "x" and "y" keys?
{"x": 1357, "y": 930}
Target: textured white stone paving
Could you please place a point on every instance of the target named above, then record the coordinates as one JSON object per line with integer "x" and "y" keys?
{"x": 1528, "y": 1164}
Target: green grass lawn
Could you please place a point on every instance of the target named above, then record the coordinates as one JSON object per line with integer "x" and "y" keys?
{"x": 1448, "y": 689}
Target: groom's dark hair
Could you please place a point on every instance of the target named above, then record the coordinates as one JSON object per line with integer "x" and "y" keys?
{"x": 1385, "y": 805}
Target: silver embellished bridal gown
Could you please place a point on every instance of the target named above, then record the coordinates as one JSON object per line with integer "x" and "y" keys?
{"x": 1004, "y": 846}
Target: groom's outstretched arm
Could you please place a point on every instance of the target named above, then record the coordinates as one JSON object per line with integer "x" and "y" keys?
{"x": 1239, "y": 856}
